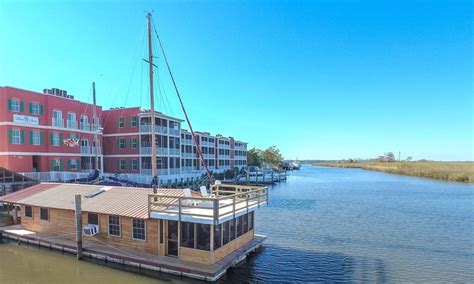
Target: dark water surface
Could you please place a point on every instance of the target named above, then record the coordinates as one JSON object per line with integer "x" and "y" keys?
{"x": 323, "y": 224}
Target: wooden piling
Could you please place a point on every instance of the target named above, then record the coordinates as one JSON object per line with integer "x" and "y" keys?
{"x": 78, "y": 213}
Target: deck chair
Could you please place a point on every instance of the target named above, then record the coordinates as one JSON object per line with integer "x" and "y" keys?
{"x": 187, "y": 193}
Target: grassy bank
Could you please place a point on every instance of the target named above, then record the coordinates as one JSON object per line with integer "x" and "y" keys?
{"x": 452, "y": 171}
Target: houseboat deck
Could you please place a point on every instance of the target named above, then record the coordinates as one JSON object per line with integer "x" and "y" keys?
{"x": 99, "y": 250}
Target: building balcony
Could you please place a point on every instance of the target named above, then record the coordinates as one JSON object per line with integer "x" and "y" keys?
{"x": 175, "y": 171}
{"x": 58, "y": 122}
{"x": 96, "y": 149}
{"x": 187, "y": 142}
{"x": 85, "y": 150}
{"x": 188, "y": 155}
{"x": 159, "y": 151}
{"x": 174, "y": 131}
{"x": 146, "y": 128}
{"x": 84, "y": 126}
{"x": 71, "y": 124}
{"x": 175, "y": 152}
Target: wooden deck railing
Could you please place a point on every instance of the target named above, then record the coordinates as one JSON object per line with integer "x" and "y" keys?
{"x": 226, "y": 200}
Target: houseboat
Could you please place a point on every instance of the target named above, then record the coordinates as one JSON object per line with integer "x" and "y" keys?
{"x": 179, "y": 231}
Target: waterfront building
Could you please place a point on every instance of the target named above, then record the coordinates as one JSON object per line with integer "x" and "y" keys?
{"x": 175, "y": 230}
{"x": 50, "y": 136}
{"x": 49, "y": 133}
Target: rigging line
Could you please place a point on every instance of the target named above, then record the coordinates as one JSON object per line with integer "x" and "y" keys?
{"x": 203, "y": 161}
{"x": 139, "y": 39}
{"x": 160, "y": 82}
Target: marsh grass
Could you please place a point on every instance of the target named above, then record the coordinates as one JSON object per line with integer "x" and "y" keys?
{"x": 452, "y": 171}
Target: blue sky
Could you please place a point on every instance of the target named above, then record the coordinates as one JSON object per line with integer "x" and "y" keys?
{"x": 318, "y": 79}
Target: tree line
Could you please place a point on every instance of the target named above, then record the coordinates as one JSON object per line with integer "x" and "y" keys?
{"x": 270, "y": 156}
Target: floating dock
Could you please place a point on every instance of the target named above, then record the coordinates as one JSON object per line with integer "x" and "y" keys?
{"x": 97, "y": 250}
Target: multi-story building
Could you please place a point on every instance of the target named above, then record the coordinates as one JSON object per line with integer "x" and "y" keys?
{"x": 50, "y": 132}
{"x": 47, "y": 132}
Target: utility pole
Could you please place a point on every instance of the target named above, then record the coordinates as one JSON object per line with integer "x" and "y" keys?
{"x": 154, "y": 176}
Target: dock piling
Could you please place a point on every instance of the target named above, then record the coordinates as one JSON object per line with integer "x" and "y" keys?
{"x": 78, "y": 213}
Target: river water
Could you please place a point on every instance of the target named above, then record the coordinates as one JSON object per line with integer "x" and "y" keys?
{"x": 323, "y": 224}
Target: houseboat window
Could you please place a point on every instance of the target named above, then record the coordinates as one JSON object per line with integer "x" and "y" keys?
{"x": 225, "y": 232}
{"x": 250, "y": 221}
{"x": 239, "y": 225}
{"x": 92, "y": 219}
{"x": 203, "y": 234}
{"x": 187, "y": 234}
{"x": 44, "y": 214}
{"x": 245, "y": 223}
{"x": 217, "y": 236}
{"x": 28, "y": 211}
{"x": 139, "y": 229}
{"x": 161, "y": 231}
{"x": 232, "y": 229}
{"x": 114, "y": 226}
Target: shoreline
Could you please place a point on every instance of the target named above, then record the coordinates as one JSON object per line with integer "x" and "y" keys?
{"x": 449, "y": 171}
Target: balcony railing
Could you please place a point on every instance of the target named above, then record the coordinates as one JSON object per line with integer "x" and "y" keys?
{"x": 85, "y": 150}
{"x": 187, "y": 155}
{"x": 71, "y": 124}
{"x": 175, "y": 152}
{"x": 146, "y": 128}
{"x": 84, "y": 126}
{"x": 174, "y": 131}
{"x": 159, "y": 151}
{"x": 97, "y": 149}
{"x": 187, "y": 142}
{"x": 58, "y": 122}
{"x": 226, "y": 201}
{"x": 56, "y": 176}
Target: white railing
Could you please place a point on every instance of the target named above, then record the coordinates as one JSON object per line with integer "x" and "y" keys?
{"x": 158, "y": 129}
{"x": 207, "y": 144}
{"x": 85, "y": 150}
{"x": 173, "y": 131}
{"x": 71, "y": 124}
{"x": 96, "y": 149}
{"x": 58, "y": 122}
{"x": 175, "y": 171}
{"x": 84, "y": 126}
{"x": 175, "y": 152}
{"x": 159, "y": 151}
{"x": 56, "y": 176}
{"x": 187, "y": 142}
{"x": 187, "y": 155}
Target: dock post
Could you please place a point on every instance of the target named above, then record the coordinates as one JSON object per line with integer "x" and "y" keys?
{"x": 14, "y": 215}
{"x": 77, "y": 202}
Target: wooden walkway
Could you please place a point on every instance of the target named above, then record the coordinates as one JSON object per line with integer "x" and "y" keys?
{"x": 108, "y": 253}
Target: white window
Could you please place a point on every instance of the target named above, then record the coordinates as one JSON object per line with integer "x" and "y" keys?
{"x": 122, "y": 164}
{"x": 15, "y": 105}
{"x": 121, "y": 143}
{"x": 35, "y": 108}
{"x": 73, "y": 164}
{"x": 16, "y": 136}
{"x": 84, "y": 122}
{"x": 56, "y": 139}
{"x": 134, "y": 143}
{"x": 134, "y": 121}
{"x": 121, "y": 122}
{"x": 56, "y": 165}
{"x": 36, "y": 138}
{"x": 84, "y": 143}
{"x": 57, "y": 114}
{"x": 134, "y": 164}
{"x": 71, "y": 116}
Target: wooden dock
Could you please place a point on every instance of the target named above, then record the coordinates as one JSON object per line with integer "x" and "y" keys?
{"x": 107, "y": 253}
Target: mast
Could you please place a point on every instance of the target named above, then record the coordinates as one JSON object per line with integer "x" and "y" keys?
{"x": 96, "y": 128}
{"x": 152, "y": 109}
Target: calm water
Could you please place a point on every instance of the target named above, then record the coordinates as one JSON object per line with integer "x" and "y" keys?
{"x": 324, "y": 224}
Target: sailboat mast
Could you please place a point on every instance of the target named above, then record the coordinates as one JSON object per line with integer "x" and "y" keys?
{"x": 152, "y": 107}
{"x": 95, "y": 127}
